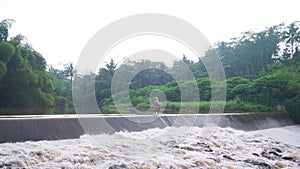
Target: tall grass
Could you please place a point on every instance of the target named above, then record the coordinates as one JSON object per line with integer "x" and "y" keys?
{"x": 238, "y": 105}
{"x": 190, "y": 107}
{"x": 205, "y": 107}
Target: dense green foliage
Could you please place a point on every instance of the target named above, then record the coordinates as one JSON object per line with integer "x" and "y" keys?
{"x": 62, "y": 93}
{"x": 25, "y": 86}
{"x": 262, "y": 70}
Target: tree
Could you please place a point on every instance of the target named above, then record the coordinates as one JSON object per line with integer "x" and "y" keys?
{"x": 103, "y": 81}
{"x": 4, "y": 26}
{"x": 249, "y": 54}
{"x": 69, "y": 72}
{"x": 111, "y": 67}
{"x": 232, "y": 83}
{"x": 292, "y": 36}
{"x": 25, "y": 86}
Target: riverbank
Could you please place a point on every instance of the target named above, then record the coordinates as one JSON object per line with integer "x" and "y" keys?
{"x": 203, "y": 107}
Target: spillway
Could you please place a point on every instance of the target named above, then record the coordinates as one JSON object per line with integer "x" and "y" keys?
{"x": 57, "y": 127}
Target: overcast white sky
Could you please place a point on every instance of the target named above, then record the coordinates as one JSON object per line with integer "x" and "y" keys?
{"x": 59, "y": 29}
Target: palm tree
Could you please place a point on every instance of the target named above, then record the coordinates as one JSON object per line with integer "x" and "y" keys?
{"x": 111, "y": 67}
{"x": 293, "y": 37}
{"x": 4, "y": 26}
{"x": 69, "y": 71}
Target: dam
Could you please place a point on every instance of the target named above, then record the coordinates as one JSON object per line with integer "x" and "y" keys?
{"x": 57, "y": 127}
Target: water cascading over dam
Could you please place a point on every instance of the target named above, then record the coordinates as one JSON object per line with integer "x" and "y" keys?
{"x": 57, "y": 127}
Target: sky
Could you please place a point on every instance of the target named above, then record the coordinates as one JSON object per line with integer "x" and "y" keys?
{"x": 59, "y": 29}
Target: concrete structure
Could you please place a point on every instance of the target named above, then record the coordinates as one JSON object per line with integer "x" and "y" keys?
{"x": 55, "y": 127}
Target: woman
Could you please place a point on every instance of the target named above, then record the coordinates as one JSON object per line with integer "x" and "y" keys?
{"x": 156, "y": 105}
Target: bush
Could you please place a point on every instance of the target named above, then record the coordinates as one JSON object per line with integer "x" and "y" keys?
{"x": 204, "y": 107}
{"x": 238, "y": 105}
{"x": 61, "y": 105}
{"x": 293, "y": 108}
{"x": 232, "y": 83}
{"x": 143, "y": 106}
{"x": 172, "y": 107}
{"x": 109, "y": 109}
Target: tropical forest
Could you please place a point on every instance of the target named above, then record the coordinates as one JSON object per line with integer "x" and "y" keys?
{"x": 262, "y": 70}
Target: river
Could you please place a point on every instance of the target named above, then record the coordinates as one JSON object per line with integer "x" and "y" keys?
{"x": 170, "y": 147}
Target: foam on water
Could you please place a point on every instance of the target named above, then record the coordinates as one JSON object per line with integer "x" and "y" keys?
{"x": 160, "y": 148}
{"x": 287, "y": 134}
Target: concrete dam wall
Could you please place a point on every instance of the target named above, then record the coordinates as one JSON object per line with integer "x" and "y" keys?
{"x": 56, "y": 127}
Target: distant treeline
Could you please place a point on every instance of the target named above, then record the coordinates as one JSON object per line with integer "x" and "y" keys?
{"x": 262, "y": 68}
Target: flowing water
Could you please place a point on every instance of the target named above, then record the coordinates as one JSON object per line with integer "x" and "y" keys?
{"x": 170, "y": 147}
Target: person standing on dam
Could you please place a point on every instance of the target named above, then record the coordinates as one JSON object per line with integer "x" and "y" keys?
{"x": 156, "y": 105}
